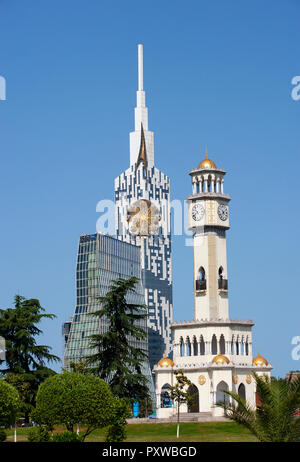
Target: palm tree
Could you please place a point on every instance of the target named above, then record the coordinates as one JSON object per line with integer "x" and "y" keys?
{"x": 274, "y": 419}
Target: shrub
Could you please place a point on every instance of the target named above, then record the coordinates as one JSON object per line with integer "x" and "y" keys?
{"x": 38, "y": 435}
{"x": 73, "y": 399}
{"x": 66, "y": 437}
{"x": 9, "y": 403}
{"x": 2, "y": 435}
{"x": 116, "y": 432}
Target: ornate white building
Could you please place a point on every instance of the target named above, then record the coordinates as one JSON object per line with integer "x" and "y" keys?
{"x": 142, "y": 217}
{"x": 213, "y": 351}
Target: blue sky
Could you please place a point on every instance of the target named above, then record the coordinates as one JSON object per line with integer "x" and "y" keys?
{"x": 215, "y": 73}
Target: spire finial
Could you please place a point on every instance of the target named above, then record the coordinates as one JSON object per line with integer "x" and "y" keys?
{"x": 140, "y": 66}
{"x": 142, "y": 157}
{"x": 206, "y": 152}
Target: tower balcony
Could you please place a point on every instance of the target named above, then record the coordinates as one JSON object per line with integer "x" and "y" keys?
{"x": 223, "y": 284}
{"x": 200, "y": 285}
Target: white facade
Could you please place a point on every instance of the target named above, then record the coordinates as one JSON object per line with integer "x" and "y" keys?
{"x": 213, "y": 351}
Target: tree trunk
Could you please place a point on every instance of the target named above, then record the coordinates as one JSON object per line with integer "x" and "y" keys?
{"x": 15, "y": 433}
{"x": 178, "y": 420}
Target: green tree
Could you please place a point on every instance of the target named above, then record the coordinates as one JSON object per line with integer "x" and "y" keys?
{"x": 25, "y": 360}
{"x": 9, "y": 404}
{"x": 274, "y": 419}
{"x": 116, "y": 431}
{"x": 74, "y": 399}
{"x": 179, "y": 393}
{"x": 116, "y": 360}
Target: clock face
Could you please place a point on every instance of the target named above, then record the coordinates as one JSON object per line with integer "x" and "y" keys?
{"x": 197, "y": 212}
{"x": 143, "y": 218}
{"x": 223, "y": 212}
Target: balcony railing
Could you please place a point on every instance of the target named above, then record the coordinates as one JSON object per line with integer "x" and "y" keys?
{"x": 223, "y": 284}
{"x": 200, "y": 285}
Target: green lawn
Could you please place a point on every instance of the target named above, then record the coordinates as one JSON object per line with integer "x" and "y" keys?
{"x": 166, "y": 432}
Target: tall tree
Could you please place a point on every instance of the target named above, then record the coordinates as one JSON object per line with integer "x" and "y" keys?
{"x": 116, "y": 360}
{"x": 274, "y": 419}
{"x": 179, "y": 393}
{"x": 25, "y": 364}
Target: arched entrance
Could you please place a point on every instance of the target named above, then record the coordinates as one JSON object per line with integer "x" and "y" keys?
{"x": 222, "y": 397}
{"x": 165, "y": 398}
{"x": 193, "y": 404}
{"x": 242, "y": 391}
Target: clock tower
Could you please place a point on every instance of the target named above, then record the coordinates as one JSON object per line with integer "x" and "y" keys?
{"x": 209, "y": 221}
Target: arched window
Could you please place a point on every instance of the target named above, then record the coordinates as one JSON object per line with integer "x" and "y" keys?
{"x": 202, "y": 346}
{"x": 237, "y": 347}
{"x": 221, "y": 271}
{"x": 232, "y": 347}
{"x": 188, "y": 347}
{"x": 247, "y": 348}
{"x": 214, "y": 346}
{"x": 201, "y": 274}
{"x": 242, "y": 391}
{"x": 222, "y": 344}
{"x": 242, "y": 347}
{"x": 181, "y": 347}
{"x": 195, "y": 346}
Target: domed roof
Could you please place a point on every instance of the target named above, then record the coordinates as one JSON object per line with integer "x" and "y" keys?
{"x": 260, "y": 361}
{"x": 207, "y": 163}
{"x": 220, "y": 359}
{"x": 165, "y": 362}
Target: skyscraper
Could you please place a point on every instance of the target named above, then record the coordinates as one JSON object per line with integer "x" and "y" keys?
{"x": 142, "y": 208}
{"x": 101, "y": 259}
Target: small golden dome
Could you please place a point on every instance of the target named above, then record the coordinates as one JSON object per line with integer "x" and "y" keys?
{"x": 207, "y": 163}
{"x": 165, "y": 362}
{"x": 220, "y": 359}
{"x": 260, "y": 361}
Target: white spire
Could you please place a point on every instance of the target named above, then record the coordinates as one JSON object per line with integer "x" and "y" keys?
{"x": 140, "y": 50}
{"x": 141, "y": 111}
{"x": 141, "y": 118}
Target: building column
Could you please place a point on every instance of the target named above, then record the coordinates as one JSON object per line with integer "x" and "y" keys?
{"x": 222, "y": 186}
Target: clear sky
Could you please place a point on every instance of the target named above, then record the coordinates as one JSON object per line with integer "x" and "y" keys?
{"x": 215, "y": 73}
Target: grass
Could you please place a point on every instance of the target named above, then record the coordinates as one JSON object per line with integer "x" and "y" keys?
{"x": 166, "y": 432}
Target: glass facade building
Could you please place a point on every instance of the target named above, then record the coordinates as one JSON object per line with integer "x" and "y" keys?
{"x": 101, "y": 259}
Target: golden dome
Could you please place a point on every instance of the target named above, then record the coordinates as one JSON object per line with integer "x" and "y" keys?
{"x": 165, "y": 362}
{"x": 220, "y": 359}
{"x": 207, "y": 163}
{"x": 260, "y": 361}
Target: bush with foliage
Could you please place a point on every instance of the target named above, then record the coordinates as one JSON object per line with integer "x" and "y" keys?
{"x": 9, "y": 404}
{"x": 116, "y": 432}
{"x": 66, "y": 437}
{"x": 38, "y": 435}
{"x": 72, "y": 399}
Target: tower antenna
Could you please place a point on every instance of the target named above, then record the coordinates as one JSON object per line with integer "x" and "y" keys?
{"x": 140, "y": 66}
